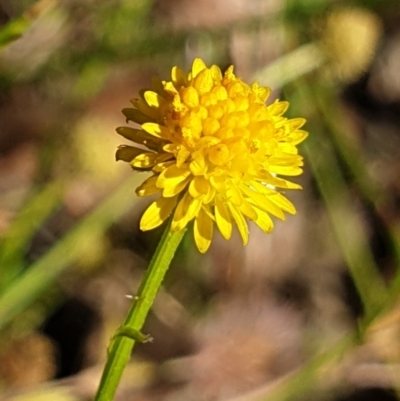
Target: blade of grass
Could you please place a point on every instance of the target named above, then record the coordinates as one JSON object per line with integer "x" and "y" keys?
{"x": 41, "y": 274}
{"x": 18, "y": 26}
{"x": 281, "y": 71}
{"x": 325, "y": 102}
{"x": 13, "y": 30}
{"x": 28, "y": 220}
{"x": 347, "y": 227}
{"x": 328, "y": 105}
{"x": 344, "y": 218}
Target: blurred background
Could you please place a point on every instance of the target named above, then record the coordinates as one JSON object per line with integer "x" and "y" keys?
{"x": 308, "y": 312}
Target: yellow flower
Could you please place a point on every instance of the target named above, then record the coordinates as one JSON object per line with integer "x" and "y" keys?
{"x": 215, "y": 151}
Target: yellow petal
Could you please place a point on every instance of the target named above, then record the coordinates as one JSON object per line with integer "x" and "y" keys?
{"x": 145, "y": 160}
{"x": 175, "y": 190}
{"x": 264, "y": 221}
{"x": 170, "y": 89}
{"x": 219, "y": 154}
{"x": 148, "y": 187}
{"x": 157, "y": 213}
{"x": 187, "y": 209}
{"x": 153, "y": 99}
{"x": 190, "y": 96}
{"x": 172, "y": 176}
{"x": 283, "y": 203}
{"x": 262, "y": 202}
{"x": 127, "y": 153}
{"x": 194, "y": 209}
{"x": 157, "y": 130}
{"x": 143, "y": 107}
{"x": 223, "y": 218}
{"x": 285, "y": 159}
{"x": 136, "y": 116}
{"x": 197, "y": 67}
{"x": 288, "y": 148}
{"x": 198, "y": 166}
{"x": 248, "y": 210}
{"x": 234, "y": 194}
{"x": 297, "y": 137}
{"x": 260, "y": 188}
{"x": 163, "y": 157}
{"x": 207, "y": 141}
{"x": 209, "y": 196}
{"x": 203, "y": 82}
{"x": 198, "y": 187}
{"x": 280, "y": 182}
{"x": 240, "y": 222}
{"x": 216, "y": 73}
{"x": 180, "y": 219}
{"x": 178, "y": 77}
{"x": 138, "y": 136}
{"x": 182, "y": 156}
{"x": 295, "y": 123}
{"x": 171, "y": 147}
{"x": 218, "y": 183}
{"x": 278, "y": 108}
{"x": 261, "y": 91}
{"x": 160, "y": 167}
{"x": 203, "y": 231}
{"x": 285, "y": 170}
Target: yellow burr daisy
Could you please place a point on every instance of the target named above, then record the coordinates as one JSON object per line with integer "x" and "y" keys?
{"x": 215, "y": 150}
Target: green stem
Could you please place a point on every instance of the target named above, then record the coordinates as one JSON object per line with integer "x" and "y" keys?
{"x": 121, "y": 346}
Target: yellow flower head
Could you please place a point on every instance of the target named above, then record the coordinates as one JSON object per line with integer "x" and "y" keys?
{"x": 215, "y": 151}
